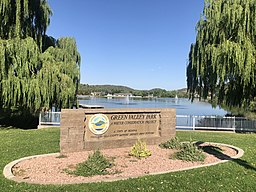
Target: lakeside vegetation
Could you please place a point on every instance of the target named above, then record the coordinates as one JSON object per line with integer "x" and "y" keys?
{"x": 102, "y": 90}
{"x": 40, "y": 72}
{"x": 37, "y": 71}
{"x": 221, "y": 63}
{"x": 237, "y": 175}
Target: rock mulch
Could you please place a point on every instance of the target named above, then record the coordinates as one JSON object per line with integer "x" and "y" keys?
{"x": 50, "y": 169}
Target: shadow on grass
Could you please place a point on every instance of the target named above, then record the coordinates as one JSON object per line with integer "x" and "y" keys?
{"x": 217, "y": 152}
{"x": 245, "y": 164}
{"x": 18, "y": 120}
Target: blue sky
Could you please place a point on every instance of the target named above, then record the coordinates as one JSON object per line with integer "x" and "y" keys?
{"x": 142, "y": 44}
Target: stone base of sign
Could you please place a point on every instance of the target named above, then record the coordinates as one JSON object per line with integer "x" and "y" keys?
{"x": 83, "y": 129}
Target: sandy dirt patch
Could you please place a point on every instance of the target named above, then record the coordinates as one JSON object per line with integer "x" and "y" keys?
{"x": 50, "y": 169}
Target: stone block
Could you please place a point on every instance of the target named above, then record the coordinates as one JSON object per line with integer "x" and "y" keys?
{"x": 112, "y": 128}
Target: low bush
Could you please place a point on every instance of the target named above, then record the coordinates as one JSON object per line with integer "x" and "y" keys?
{"x": 189, "y": 152}
{"x": 140, "y": 150}
{"x": 96, "y": 164}
{"x": 173, "y": 143}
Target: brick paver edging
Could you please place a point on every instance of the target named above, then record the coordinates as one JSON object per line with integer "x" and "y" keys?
{"x": 7, "y": 172}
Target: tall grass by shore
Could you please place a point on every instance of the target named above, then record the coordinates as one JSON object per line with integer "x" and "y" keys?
{"x": 237, "y": 175}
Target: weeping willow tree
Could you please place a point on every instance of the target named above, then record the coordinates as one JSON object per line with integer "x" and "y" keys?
{"x": 36, "y": 70}
{"x": 60, "y": 81}
{"x": 222, "y": 61}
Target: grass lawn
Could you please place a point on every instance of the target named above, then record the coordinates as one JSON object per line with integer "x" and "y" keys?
{"x": 239, "y": 175}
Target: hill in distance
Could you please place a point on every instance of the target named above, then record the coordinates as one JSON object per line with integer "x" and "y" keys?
{"x": 86, "y": 89}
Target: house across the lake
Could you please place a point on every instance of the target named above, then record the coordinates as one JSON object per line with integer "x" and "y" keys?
{"x": 122, "y": 95}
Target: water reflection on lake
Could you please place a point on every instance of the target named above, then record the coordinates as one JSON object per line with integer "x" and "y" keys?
{"x": 183, "y": 106}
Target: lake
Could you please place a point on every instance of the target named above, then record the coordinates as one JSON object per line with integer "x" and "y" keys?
{"x": 183, "y": 106}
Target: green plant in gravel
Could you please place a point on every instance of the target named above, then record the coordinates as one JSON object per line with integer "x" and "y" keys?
{"x": 189, "y": 152}
{"x": 96, "y": 164}
{"x": 173, "y": 143}
{"x": 139, "y": 150}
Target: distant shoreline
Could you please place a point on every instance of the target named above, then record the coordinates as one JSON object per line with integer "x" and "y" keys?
{"x": 135, "y": 97}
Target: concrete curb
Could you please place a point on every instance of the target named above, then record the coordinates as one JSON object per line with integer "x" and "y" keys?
{"x": 7, "y": 172}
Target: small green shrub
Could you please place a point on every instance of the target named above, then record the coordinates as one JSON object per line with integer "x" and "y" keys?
{"x": 190, "y": 152}
{"x": 173, "y": 143}
{"x": 140, "y": 150}
{"x": 96, "y": 164}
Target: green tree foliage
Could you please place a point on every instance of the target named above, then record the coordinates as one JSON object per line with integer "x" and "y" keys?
{"x": 222, "y": 60}
{"x": 35, "y": 70}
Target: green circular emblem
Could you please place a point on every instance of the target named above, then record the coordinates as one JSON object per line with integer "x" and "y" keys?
{"x": 98, "y": 124}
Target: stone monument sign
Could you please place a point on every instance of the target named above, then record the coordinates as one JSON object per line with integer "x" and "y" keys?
{"x": 90, "y": 129}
